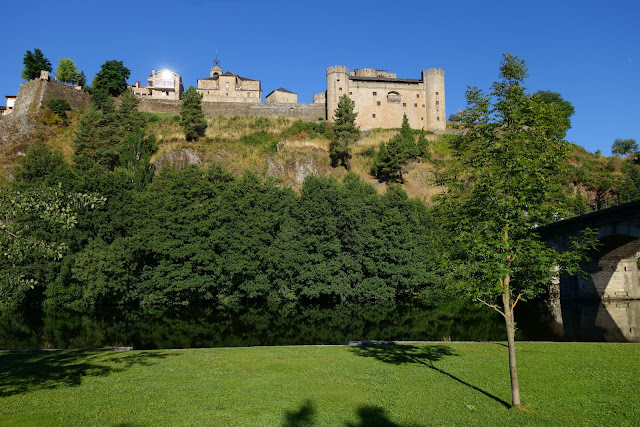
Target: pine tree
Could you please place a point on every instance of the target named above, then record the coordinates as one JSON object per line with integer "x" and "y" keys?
{"x": 191, "y": 115}
{"x": 34, "y": 63}
{"x": 344, "y": 133}
{"x": 408, "y": 139}
{"x": 423, "y": 146}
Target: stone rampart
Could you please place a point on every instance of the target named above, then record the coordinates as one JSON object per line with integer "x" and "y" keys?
{"x": 229, "y": 109}
{"x": 34, "y": 93}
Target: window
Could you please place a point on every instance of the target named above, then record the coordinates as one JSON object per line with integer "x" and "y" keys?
{"x": 438, "y": 119}
{"x": 375, "y": 93}
{"x": 373, "y": 115}
{"x": 404, "y": 104}
{"x": 437, "y": 102}
{"x": 339, "y": 88}
{"x": 415, "y": 104}
{"x": 378, "y": 103}
{"x": 423, "y": 105}
{"x": 417, "y": 95}
{"x": 437, "y": 93}
{"x": 394, "y": 98}
{"x": 350, "y": 93}
{"x": 353, "y": 102}
{"x": 422, "y": 118}
{"x": 339, "y": 80}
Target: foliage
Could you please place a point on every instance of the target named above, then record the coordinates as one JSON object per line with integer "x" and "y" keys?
{"x": 191, "y": 116}
{"x": 67, "y": 72}
{"x": 112, "y": 78}
{"x": 509, "y": 156}
{"x": 344, "y": 133}
{"x": 623, "y": 147}
{"x": 630, "y": 187}
{"x": 453, "y": 117}
{"x": 60, "y": 107}
{"x": 34, "y": 62}
{"x": 564, "y": 108}
{"x": 396, "y": 153}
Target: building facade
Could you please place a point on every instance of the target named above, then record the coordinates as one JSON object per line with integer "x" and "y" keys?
{"x": 282, "y": 96}
{"x": 228, "y": 87}
{"x": 381, "y": 98}
{"x": 163, "y": 84}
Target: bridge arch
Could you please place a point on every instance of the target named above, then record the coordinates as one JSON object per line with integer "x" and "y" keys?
{"x": 614, "y": 269}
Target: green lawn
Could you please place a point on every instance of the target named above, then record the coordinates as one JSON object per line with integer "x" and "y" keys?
{"x": 393, "y": 385}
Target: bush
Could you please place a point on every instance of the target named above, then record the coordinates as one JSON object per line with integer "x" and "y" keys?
{"x": 59, "y": 106}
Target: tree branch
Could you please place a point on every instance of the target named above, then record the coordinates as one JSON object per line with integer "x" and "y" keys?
{"x": 516, "y": 301}
{"x": 495, "y": 307}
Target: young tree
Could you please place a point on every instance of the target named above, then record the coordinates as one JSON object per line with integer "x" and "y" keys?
{"x": 112, "y": 77}
{"x": 423, "y": 146}
{"x": 622, "y": 147}
{"x": 34, "y": 63}
{"x": 565, "y": 108}
{"x": 509, "y": 189}
{"x": 67, "y": 71}
{"x": 191, "y": 115}
{"x": 344, "y": 133}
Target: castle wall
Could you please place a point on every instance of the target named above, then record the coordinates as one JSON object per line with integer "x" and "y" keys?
{"x": 35, "y": 93}
{"x": 381, "y": 99}
{"x": 310, "y": 112}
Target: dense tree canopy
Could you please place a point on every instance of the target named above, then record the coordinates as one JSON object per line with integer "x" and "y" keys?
{"x": 622, "y": 147}
{"x": 112, "y": 78}
{"x": 67, "y": 72}
{"x": 34, "y": 62}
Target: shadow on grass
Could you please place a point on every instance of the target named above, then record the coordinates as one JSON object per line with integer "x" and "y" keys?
{"x": 305, "y": 415}
{"x": 425, "y": 355}
{"x": 23, "y": 372}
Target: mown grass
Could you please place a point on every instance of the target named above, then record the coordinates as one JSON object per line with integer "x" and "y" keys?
{"x": 392, "y": 385}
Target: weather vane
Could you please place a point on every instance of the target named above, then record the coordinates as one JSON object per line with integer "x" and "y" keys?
{"x": 216, "y": 61}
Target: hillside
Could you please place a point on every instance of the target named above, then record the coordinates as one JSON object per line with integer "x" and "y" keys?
{"x": 289, "y": 150}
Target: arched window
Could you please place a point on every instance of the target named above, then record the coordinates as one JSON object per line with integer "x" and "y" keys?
{"x": 394, "y": 97}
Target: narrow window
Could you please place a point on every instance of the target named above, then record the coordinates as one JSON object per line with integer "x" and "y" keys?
{"x": 404, "y": 104}
{"x": 437, "y": 102}
{"x": 378, "y": 103}
{"x": 373, "y": 115}
{"x": 438, "y": 119}
{"x": 422, "y": 105}
{"x": 375, "y": 93}
{"x": 422, "y": 118}
{"x": 415, "y": 104}
{"x": 353, "y": 102}
{"x": 339, "y": 88}
{"x": 417, "y": 95}
{"x": 437, "y": 93}
{"x": 350, "y": 93}
{"x": 339, "y": 80}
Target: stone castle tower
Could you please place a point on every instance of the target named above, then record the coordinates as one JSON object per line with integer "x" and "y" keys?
{"x": 381, "y": 98}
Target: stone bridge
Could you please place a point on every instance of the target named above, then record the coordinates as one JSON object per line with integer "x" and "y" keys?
{"x": 614, "y": 269}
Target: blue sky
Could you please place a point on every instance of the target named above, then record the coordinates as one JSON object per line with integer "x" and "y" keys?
{"x": 588, "y": 51}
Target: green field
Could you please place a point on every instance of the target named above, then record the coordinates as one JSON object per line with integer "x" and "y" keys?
{"x": 388, "y": 385}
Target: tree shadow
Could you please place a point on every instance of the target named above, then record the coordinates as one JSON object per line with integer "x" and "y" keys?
{"x": 302, "y": 417}
{"x": 425, "y": 355}
{"x": 375, "y": 416}
{"x": 23, "y": 372}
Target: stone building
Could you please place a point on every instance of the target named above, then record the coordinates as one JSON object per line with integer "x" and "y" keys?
{"x": 228, "y": 87}
{"x": 381, "y": 98}
{"x": 163, "y": 84}
{"x": 8, "y": 108}
{"x": 282, "y": 96}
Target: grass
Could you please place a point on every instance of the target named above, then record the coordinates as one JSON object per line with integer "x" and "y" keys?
{"x": 393, "y": 385}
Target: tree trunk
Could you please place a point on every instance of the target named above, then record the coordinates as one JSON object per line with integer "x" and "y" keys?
{"x": 511, "y": 332}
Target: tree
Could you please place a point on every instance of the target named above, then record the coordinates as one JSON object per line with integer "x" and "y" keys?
{"x": 565, "y": 108}
{"x": 112, "y": 77}
{"x": 191, "y": 115}
{"x": 344, "y": 133}
{"x": 34, "y": 63}
{"x": 510, "y": 187}
{"x": 623, "y": 147}
{"x": 393, "y": 156}
{"x": 423, "y": 146}
{"x": 67, "y": 71}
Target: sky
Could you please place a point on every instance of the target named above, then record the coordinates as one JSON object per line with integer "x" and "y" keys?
{"x": 586, "y": 50}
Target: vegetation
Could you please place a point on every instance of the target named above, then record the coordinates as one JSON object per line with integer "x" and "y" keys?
{"x": 344, "y": 133}
{"x": 191, "y": 115}
{"x": 68, "y": 73}
{"x": 510, "y": 156}
{"x": 112, "y": 78}
{"x": 34, "y": 62}
{"x": 403, "y": 385}
{"x": 396, "y": 153}
{"x": 622, "y": 147}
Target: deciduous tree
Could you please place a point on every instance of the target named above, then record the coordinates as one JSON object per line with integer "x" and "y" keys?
{"x": 112, "y": 77}
{"x": 501, "y": 187}
{"x": 622, "y": 147}
{"x": 67, "y": 71}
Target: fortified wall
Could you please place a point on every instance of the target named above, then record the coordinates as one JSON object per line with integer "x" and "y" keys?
{"x": 35, "y": 93}
{"x": 229, "y": 109}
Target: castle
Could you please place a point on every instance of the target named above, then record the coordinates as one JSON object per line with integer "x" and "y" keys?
{"x": 381, "y": 99}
